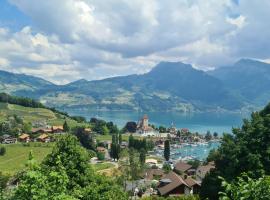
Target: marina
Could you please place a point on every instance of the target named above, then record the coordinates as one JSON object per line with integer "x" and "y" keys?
{"x": 189, "y": 151}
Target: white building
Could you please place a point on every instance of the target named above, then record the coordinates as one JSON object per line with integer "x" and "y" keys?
{"x": 144, "y": 129}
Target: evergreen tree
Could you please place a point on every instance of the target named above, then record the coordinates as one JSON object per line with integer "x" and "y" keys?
{"x": 66, "y": 127}
{"x": 142, "y": 157}
{"x": 167, "y": 150}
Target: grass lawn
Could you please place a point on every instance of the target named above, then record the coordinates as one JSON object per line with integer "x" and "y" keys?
{"x": 17, "y": 155}
{"x": 109, "y": 137}
{"x": 102, "y": 166}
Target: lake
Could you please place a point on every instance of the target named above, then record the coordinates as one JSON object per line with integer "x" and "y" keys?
{"x": 195, "y": 122}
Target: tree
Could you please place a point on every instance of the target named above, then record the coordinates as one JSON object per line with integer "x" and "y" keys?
{"x": 246, "y": 188}
{"x": 130, "y": 127}
{"x": 162, "y": 129}
{"x": 100, "y": 156}
{"x": 167, "y": 167}
{"x": 38, "y": 183}
{"x": 215, "y": 134}
{"x": 85, "y": 138}
{"x": 2, "y": 151}
{"x": 120, "y": 138}
{"x": 194, "y": 163}
{"x": 66, "y": 174}
{"x": 142, "y": 157}
{"x": 3, "y": 183}
{"x": 167, "y": 150}
{"x": 208, "y": 136}
{"x": 247, "y": 150}
{"x": 66, "y": 127}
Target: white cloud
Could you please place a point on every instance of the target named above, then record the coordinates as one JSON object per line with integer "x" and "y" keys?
{"x": 95, "y": 39}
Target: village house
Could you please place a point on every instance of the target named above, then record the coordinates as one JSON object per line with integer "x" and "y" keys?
{"x": 194, "y": 186}
{"x": 8, "y": 139}
{"x": 57, "y": 129}
{"x": 203, "y": 170}
{"x": 182, "y": 167}
{"x": 41, "y": 130}
{"x": 24, "y": 138}
{"x": 44, "y": 138}
{"x": 173, "y": 184}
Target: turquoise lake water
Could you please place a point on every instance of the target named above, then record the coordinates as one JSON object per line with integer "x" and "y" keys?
{"x": 196, "y": 122}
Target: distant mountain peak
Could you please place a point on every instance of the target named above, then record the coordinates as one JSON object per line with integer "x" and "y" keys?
{"x": 245, "y": 61}
{"x": 173, "y": 67}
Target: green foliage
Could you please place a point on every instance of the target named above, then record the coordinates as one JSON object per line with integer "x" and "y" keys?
{"x": 208, "y": 136}
{"x": 27, "y": 127}
{"x": 3, "y": 182}
{"x": 142, "y": 157}
{"x": 247, "y": 150}
{"x": 2, "y": 151}
{"x": 100, "y": 156}
{"x": 130, "y": 127}
{"x": 92, "y": 153}
{"x": 139, "y": 144}
{"x": 85, "y": 138}
{"x": 167, "y": 167}
{"x": 115, "y": 148}
{"x": 194, "y": 163}
{"x": 103, "y": 127}
{"x": 66, "y": 127}
{"x": 74, "y": 159}
{"x": 162, "y": 129}
{"x": 65, "y": 174}
{"x": 167, "y": 150}
{"x": 186, "y": 197}
{"x": 245, "y": 188}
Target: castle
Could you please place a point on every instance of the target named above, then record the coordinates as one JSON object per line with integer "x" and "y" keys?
{"x": 143, "y": 127}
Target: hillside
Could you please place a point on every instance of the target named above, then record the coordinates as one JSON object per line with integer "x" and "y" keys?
{"x": 34, "y": 114}
{"x": 248, "y": 78}
{"x": 169, "y": 86}
{"x": 19, "y": 83}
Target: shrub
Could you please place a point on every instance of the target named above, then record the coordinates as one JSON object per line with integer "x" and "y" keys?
{"x": 2, "y": 151}
{"x": 100, "y": 156}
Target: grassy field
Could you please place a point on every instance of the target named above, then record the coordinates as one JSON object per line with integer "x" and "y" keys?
{"x": 17, "y": 155}
{"x": 34, "y": 114}
{"x": 109, "y": 137}
{"x": 102, "y": 166}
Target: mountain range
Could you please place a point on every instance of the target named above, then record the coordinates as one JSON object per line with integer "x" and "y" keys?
{"x": 169, "y": 86}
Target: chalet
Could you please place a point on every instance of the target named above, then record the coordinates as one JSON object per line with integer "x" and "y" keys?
{"x": 8, "y": 139}
{"x": 182, "y": 167}
{"x": 24, "y": 138}
{"x": 203, "y": 170}
{"x": 194, "y": 186}
{"x": 41, "y": 130}
{"x": 57, "y": 129}
{"x": 172, "y": 185}
{"x": 44, "y": 138}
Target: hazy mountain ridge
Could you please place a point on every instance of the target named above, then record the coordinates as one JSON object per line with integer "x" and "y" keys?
{"x": 169, "y": 86}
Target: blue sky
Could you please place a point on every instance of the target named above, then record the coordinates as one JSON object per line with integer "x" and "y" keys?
{"x": 12, "y": 17}
{"x": 66, "y": 40}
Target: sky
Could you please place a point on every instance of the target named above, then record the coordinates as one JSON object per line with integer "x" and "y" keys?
{"x": 66, "y": 40}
